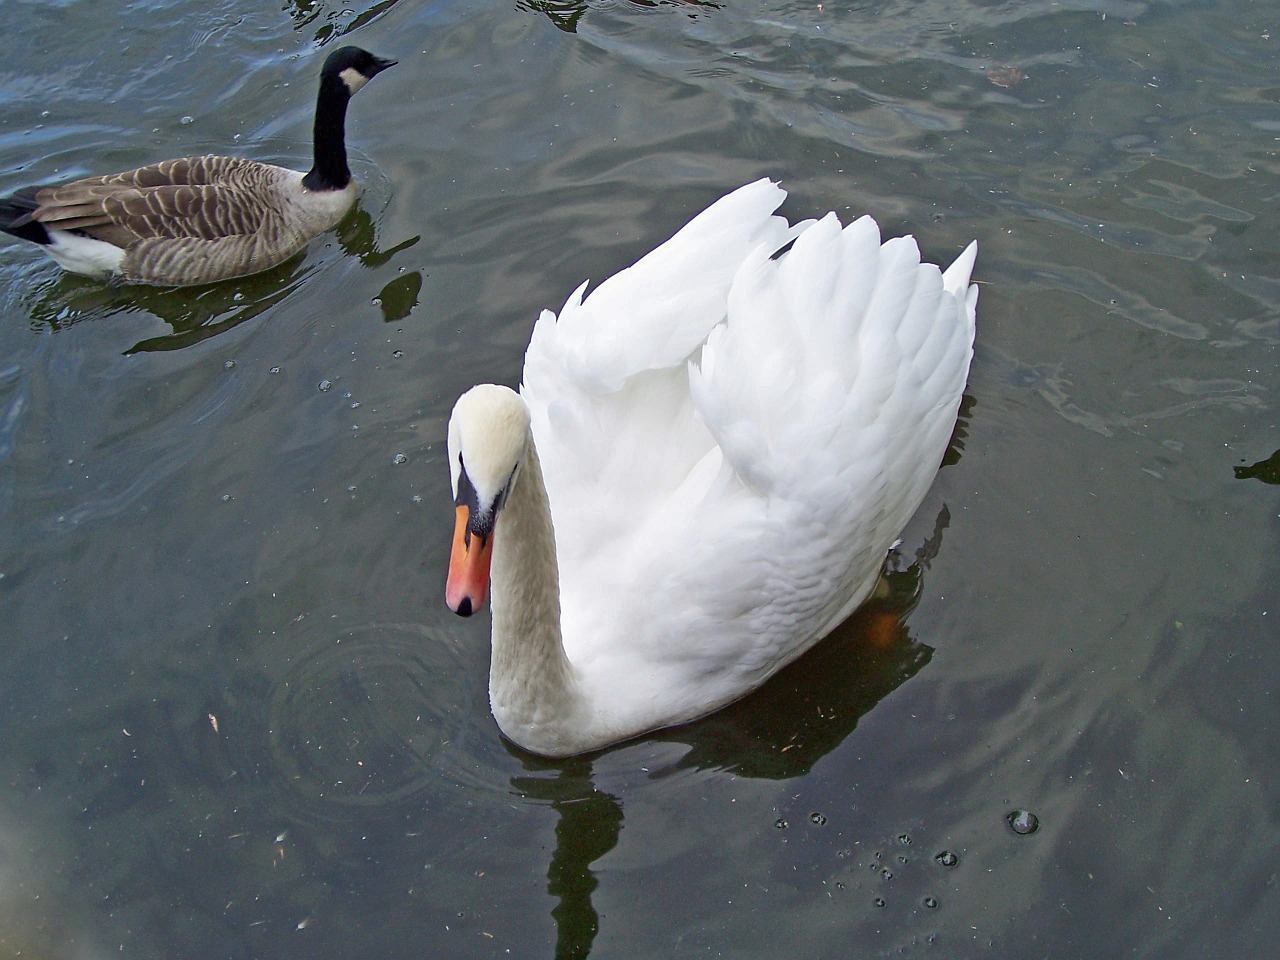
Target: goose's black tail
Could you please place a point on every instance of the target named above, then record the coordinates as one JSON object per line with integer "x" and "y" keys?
{"x": 16, "y": 217}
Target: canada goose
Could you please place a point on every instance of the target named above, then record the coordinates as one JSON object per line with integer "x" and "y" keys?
{"x": 200, "y": 219}
{"x": 706, "y": 464}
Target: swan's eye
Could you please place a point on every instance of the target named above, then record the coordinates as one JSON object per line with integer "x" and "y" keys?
{"x": 467, "y": 496}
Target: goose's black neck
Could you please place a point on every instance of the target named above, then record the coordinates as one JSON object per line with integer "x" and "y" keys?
{"x": 330, "y": 170}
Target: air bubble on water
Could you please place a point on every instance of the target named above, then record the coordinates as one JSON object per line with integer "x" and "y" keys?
{"x": 274, "y": 370}
{"x": 397, "y": 353}
{"x": 416, "y": 498}
{"x": 904, "y": 839}
{"x": 237, "y": 296}
{"x": 324, "y": 386}
{"x": 228, "y": 364}
{"x": 887, "y": 874}
{"x": 947, "y": 858}
{"x": 376, "y": 301}
{"x": 1023, "y": 822}
{"x": 781, "y": 823}
{"x": 187, "y": 121}
{"x": 879, "y": 901}
{"x": 817, "y": 819}
{"x": 930, "y": 902}
{"x": 226, "y": 498}
{"x": 400, "y": 458}
{"x": 902, "y": 859}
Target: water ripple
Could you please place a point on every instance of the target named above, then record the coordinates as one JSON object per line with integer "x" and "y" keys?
{"x": 365, "y": 721}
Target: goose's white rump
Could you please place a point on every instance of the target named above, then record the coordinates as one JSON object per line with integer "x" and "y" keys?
{"x": 709, "y": 458}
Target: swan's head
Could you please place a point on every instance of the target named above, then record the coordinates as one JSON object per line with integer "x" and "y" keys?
{"x": 488, "y": 434}
{"x": 354, "y": 67}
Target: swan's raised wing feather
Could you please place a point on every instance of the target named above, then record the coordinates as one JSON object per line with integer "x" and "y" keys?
{"x": 605, "y": 381}
{"x": 655, "y": 313}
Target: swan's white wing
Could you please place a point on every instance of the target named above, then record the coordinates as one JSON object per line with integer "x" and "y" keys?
{"x": 606, "y": 383}
{"x": 830, "y": 392}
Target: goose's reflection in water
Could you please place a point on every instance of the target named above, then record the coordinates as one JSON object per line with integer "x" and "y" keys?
{"x": 198, "y": 313}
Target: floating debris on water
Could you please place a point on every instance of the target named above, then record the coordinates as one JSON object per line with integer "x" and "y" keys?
{"x": 1006, "y": 77}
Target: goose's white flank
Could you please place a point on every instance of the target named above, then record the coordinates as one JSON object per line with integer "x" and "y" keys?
{"x": 706, "y": 464}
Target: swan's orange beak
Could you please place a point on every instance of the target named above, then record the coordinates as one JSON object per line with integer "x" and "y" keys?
{"x": 468, "y": 581}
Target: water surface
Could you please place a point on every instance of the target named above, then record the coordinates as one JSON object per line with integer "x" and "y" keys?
{"x": 236, "y": 719}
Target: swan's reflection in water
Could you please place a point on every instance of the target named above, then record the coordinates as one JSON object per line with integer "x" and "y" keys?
{"x": 777, "y": 733}
{"x": 588, "y": 825}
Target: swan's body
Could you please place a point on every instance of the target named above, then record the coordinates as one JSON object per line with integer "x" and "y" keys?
{"x": 200, "y": 219}
{"x": 728, "y": 444}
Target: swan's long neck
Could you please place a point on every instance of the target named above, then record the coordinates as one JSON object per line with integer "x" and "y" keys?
{"x": 329, "y": 170}
{"x": 532, "y": 688}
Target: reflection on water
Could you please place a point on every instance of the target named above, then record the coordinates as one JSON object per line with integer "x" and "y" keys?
{"x": 337, "y": 23}
{"x": 357, "y": 235}
{"x": 1268, "y": 470}
{"x": 588, "y": 824}
{"x": 198, "y": 313}
{"x": 565, "y": 14}
{"x": 398, "y": 298}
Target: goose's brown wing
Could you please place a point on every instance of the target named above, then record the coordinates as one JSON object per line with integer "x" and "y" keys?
{"x": 204, "y": 198}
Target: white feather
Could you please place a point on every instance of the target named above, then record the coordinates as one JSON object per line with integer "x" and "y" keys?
{"x": 77, "y": 253}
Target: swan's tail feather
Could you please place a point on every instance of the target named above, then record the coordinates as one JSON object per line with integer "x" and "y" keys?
{"x": 956, "y": 276}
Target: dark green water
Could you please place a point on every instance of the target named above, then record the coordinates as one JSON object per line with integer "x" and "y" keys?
{"x": 236, "y": 719}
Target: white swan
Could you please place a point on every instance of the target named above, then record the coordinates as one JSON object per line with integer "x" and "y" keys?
{"x": 707, "y": 462}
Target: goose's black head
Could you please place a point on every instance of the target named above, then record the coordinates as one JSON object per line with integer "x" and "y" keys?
{"x": 354, "y": 67}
